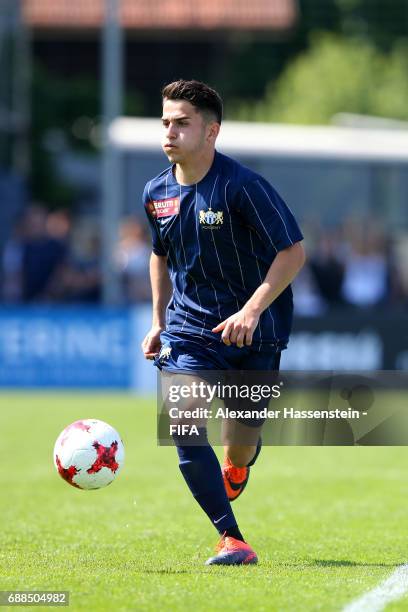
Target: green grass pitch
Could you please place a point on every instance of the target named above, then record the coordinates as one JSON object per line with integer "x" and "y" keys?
{"x": 327, "y": 523}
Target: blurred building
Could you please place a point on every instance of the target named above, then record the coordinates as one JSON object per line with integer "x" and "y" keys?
{"x": 198, "y": 39}
{"x": 167, "y": 14}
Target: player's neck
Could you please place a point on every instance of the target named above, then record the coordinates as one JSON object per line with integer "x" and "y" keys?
{"x": 192, "y": 171}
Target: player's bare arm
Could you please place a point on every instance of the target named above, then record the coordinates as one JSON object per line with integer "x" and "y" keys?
{"x": 161, "y": 292}
{"x": 239, "y": 328}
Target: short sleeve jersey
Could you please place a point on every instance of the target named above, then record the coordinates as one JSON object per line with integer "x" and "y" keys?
{"x": 220, "y": 237}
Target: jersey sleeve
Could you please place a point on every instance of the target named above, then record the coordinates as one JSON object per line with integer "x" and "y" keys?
{"x": 262, "y": 208}
{"x": 157, "y": 242}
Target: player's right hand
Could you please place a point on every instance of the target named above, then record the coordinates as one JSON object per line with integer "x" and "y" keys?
{"x": 151, "y": 345}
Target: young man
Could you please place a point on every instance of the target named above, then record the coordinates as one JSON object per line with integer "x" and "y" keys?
{"x": 225, "y": 250}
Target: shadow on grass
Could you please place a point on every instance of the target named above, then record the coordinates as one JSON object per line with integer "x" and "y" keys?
{"x": 169, "y": 572}
{"x": 211, "y": 570}
{"x": 347, "y": 563}
{"x": 309, "y": 563}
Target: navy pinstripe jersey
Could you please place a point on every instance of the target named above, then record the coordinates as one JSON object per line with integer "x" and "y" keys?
{"x": 220, "y": 237}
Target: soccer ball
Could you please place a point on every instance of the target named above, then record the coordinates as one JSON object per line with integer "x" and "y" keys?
{"x": 89, "y": 454}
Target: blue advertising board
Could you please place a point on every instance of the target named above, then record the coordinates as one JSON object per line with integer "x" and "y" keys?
{"x": 63, "y": 347}
{"x": 98, "y": 348}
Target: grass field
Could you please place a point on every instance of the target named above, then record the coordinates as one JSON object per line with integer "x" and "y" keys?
{"x": 327, "y": 523}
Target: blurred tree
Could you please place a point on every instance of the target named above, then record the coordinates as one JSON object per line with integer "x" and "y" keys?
{"x": 336, "y": 75}
{"x": 262, "y": 60}
{"x": 382, "y": 21}
{"x": 250, "y": 62}
{"x": 254, "y": 64}
{"x": 318, "y": 15}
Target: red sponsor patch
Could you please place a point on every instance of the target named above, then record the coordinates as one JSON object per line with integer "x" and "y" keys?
{"x": 164, "y": 208}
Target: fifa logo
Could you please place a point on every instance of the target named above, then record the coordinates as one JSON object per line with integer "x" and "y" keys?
{"x": 210, "y": 219}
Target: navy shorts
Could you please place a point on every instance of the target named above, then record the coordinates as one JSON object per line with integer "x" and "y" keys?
{"x": 185, "y": 353}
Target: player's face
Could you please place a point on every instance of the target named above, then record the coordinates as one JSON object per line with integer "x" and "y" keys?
{"x": 185, "y": 132}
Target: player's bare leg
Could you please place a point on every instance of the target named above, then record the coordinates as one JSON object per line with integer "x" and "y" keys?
{"x": 238, "y": 457}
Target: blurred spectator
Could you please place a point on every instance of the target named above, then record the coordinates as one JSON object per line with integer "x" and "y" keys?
{"x": 132, "y": 257}
{"x": 58, "y": 225}
{"x": 50, "y": 259}
{"x": 308, "y": 301}
{"x": 32, "y": 259}
{"x": 354, "y": 265}
{"x": 80, "y": 276}
{"x": 328, "y": 270}
{"x": 12, "y": 268}
{"x": 46, "y": 260}
{"x": 400, "y": 259}
{"x": 366, "y": 267}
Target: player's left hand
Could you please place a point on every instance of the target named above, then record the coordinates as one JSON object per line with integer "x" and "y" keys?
{"x": 238, "y": 328}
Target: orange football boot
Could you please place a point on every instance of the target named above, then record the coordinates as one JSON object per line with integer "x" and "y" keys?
{"x": 233, "y": 552}
{"x": 235, "y": 478}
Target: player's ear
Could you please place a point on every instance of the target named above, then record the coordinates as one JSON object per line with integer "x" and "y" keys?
{"x": 213, "y": 130}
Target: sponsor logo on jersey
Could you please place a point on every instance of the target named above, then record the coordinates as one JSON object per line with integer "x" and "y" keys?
{"x": 164, "y": 208}
{"x": 210, "y": 219}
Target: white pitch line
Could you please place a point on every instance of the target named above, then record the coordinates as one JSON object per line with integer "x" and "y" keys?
{"x": 391, "y": 589}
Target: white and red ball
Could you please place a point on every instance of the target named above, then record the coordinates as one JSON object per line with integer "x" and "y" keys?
{"x": 89, "y": 454}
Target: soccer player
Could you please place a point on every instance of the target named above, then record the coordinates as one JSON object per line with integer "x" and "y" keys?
{"x": 225, "y": 250}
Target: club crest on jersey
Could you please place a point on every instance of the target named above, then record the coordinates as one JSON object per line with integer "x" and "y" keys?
{"x": 165, "y": 353}
{"x": 210, "y": 219}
